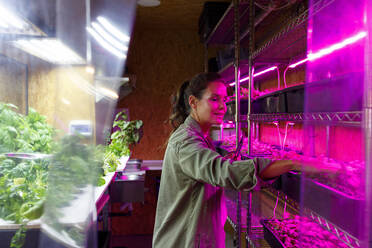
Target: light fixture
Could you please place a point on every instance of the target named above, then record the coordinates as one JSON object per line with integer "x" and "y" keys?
{"x": 89, "y": 69}
{"x": 148, "y": 3}
{"x": 112, "y": 29}
{"x": 328, "y": 50}
{"x": 11, "y": 23}
{"x": 105, "y": 44}
{"x": 109, "y": 37}
{"x": 51, "y": 50}
{"x": 298, "y": 63}
{"x": 108, "y": 92}
{"x": 10, "y": 20}
{"x": 256, "y": 74}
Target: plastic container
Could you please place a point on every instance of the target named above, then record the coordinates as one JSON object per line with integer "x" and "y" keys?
{"x": 133, "y": 164}
{"x": 270, "y": 236}
{"x": 231, "y": 107}
{"x": 256, "y": 106}
{"x": 32, "y": 237}
{"x": 342, "y": 93}
{"x": 324, "y": 200}
{"x": 295, "y": 100}
{"x": 274, "y": 103}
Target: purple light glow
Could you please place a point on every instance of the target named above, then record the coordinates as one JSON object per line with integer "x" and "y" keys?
{"x": 328, "y": 50}
{"x": 298, "y": 63}
{"x": 255, "y": 75}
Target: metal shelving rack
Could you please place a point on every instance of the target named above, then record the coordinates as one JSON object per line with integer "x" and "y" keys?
{"x": 293, "y": 37}
{"x": 326, "y": 118}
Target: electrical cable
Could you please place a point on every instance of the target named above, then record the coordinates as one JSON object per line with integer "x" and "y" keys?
{"x": 277, "y": 68}
{"x": 271, "y": 6}
{"x": 284, "y": 75}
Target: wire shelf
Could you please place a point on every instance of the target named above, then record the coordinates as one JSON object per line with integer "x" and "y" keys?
{"x": 301, "y": 19}
{"x": 333, "y": 118}
{"x": 342, "y": 235}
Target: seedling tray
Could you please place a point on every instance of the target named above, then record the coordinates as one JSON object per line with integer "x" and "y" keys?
{"x": 333, "y": 205}
{"x": 270, "y": 236}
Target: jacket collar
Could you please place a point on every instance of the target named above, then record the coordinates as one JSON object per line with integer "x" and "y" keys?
{"x": 194, "y": 125}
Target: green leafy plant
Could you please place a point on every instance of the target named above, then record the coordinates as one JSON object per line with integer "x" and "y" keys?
{"x": 30, "y": 188}
{"x": 23, "y": 183}
{"x": 126, "y": 134}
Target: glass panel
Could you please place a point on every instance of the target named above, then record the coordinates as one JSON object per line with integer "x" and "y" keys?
{"x": 333, "y": 195}
{"x": 61, "y": 66}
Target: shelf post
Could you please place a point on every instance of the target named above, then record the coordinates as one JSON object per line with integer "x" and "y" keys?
{"x": 237, "y": 111}
{"x": 250, "y": 84}
{"x": 327, "y": 140}
{"x": 88, "y": 42}
{"x": 367, "y": 126}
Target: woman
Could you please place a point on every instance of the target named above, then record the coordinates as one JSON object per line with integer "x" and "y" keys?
{"x": 191, "y": 208}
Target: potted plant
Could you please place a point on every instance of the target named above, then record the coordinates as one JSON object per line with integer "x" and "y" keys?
{"x": 125, "y": 135}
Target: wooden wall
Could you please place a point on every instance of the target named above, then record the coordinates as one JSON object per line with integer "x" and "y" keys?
{"x": 62, "y": 94}
{"x": 161, "y": 59}
{"x": 13, "y": 83}
{"x": 49, "y": 88}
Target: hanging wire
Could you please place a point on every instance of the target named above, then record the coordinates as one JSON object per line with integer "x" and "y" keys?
{"x": 273, "y": 6}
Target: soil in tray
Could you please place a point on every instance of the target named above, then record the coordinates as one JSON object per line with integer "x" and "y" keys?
{"x": 300, "y": 232}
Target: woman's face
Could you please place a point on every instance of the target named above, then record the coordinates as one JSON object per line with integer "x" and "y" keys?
{"x": 211, "y": 108}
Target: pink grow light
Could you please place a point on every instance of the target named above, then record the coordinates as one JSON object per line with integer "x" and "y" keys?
{"x": 328, "y": 50}
{"x": 255, "y": 75}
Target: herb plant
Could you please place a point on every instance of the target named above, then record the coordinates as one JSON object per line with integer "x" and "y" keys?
{"x": 30, "y": 188}
{"x": 23, "y": 183}
{"x": 126, "y": 133}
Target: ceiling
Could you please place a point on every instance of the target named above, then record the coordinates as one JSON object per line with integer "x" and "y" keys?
{"x": 177, "y": 14}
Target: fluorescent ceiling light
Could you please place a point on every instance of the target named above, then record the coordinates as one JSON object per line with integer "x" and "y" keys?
{"x": 105, "y": 44}
{"x": 90, "y": 69}
{"x": 11, "y": 19}
{"x": 256, "y": 74}
{"x": 113, "y": 30}
{"x": 109, "y": 38}
{"x": 108, "y": 92}
{"x": 51, "y": 50}
{"x": 11, "y": 23}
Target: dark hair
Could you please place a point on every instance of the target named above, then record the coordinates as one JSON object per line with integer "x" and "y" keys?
{"x": 195, "y": 87}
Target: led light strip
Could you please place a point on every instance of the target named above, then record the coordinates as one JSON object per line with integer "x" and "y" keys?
{"x": 328, "y": 50}
{"x": 256, "y": 74}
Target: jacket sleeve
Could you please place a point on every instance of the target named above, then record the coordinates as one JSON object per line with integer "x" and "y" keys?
{"x": 203, "y": 164}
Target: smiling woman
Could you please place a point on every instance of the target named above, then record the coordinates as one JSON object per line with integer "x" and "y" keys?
{"x": 191, "y": 204}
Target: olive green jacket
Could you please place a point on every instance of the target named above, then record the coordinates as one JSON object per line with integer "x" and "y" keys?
{"x": 191, "y": 205}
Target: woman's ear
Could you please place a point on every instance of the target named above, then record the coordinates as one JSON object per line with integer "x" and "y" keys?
{"x": 193, "y": 101}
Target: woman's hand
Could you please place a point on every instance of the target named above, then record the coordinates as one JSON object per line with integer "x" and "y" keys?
{"x": 315, "y": 166}
{"x": 277, "y": 168}
{"x": 280, "y": 167}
